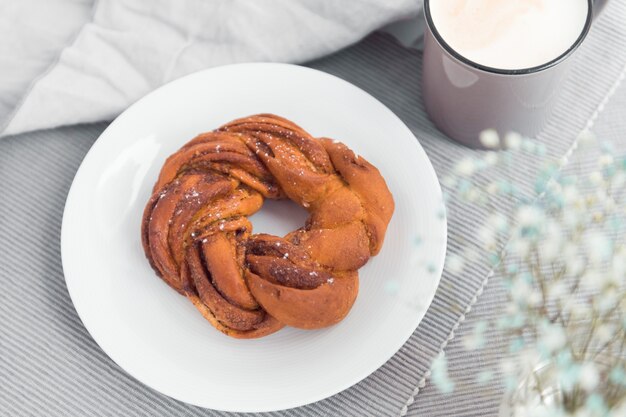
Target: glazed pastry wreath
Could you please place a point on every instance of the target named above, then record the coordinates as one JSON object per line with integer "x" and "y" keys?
{"x": 197, "y": 236}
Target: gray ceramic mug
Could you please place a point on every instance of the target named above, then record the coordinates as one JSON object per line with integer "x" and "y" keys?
{"x": 464, "y": 98}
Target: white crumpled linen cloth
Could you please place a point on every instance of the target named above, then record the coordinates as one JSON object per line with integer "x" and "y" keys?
{"x": 76, "y": 61}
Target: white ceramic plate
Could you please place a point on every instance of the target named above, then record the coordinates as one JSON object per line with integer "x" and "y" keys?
{"x": 156, "y": 335}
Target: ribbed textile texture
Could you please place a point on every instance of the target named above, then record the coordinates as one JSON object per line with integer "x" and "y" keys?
{"x": 469, "y": 397}
{"x": 50, "y": 366}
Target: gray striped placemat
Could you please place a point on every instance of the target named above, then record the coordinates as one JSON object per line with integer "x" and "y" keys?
{"x": 49, "y": 365}
{"x": 600, "y": 110}
{"x": 470, "y": 398}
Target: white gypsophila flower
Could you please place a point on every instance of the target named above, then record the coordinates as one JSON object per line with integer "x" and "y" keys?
{"x": 604, "y": 333}
{"x": 618, "y": 266}
{"x": 491, "y": 158}
{"x": 512, "y": 309}
{"x": 612, "y": 280}
{"x": 493, "y": 188}
{"x": 513, "y": 140}
{"x": 597, "y": 217}
{"x": 535, "y": 299}
{"x": 596, "y": 178}
{"x": 589, "y": 376}
{"x": 485, "y": 376}
{"x": 609, "y": 203}
{"x": 489, "y": 138}
{"x": 599, "y": 246}
{"x": 570, "y": 194}
{"x": 521, "y": 290}
{"x": 471, "y": 253}
{"x": 571, "y": 217}
{"x": 466, "y": 167}
{"x": 592, "y": 280}
{"x": 606, "y": 300}
{"x": 499, "y": 222}
{"x": 570, "y": 252}
{"x": 554, "y": 189}
{"x": 470, "y": 342}
{"x": 576, "y": 310}
{"x": 589, "y": 201}
{"x": 530, "y": 216}
{"x": 550, "y": 245}
{"x": 449, "y": 181}
{"x": 439, "y": 374}
{"x": 487, "y": 237}
{"x": 472, "y": 195}
{"x": 552, "y": 338}
{"x": 576, "y": 266}
{"x": 508, "y": 367}
{"x": 528, "y": 360}
{"x": 529, "y": 145}
{"x": 455, "y": 264}
{"x": 601, "y": 196}
{"x": 606, "y": 160}
{"x": 556, "y": 290}
{"x": 476, "y": 339}
{"x": 619, "y": 179}
{"x": 519, "y": 247}
{"x": 586, "y": 138}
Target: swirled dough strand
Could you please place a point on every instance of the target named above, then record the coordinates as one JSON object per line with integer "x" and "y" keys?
{"x": 197, "y": 236}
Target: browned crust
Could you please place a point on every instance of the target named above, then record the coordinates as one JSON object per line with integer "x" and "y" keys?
{"x": 197, "y": 237}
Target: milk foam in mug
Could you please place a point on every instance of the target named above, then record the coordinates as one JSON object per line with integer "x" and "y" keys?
{"x": 498, "y": 63}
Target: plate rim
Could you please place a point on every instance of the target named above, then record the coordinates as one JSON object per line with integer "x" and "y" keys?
{"x": 321, "y": 395}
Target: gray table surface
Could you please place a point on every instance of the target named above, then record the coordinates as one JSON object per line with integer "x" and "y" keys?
{"x": 49, "y": 365}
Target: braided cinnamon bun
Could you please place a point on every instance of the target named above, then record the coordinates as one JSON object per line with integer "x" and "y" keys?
{"x": 197, "y": 236}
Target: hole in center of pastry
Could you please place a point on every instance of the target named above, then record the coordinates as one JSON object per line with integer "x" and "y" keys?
{"x": 278, "y": 217}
